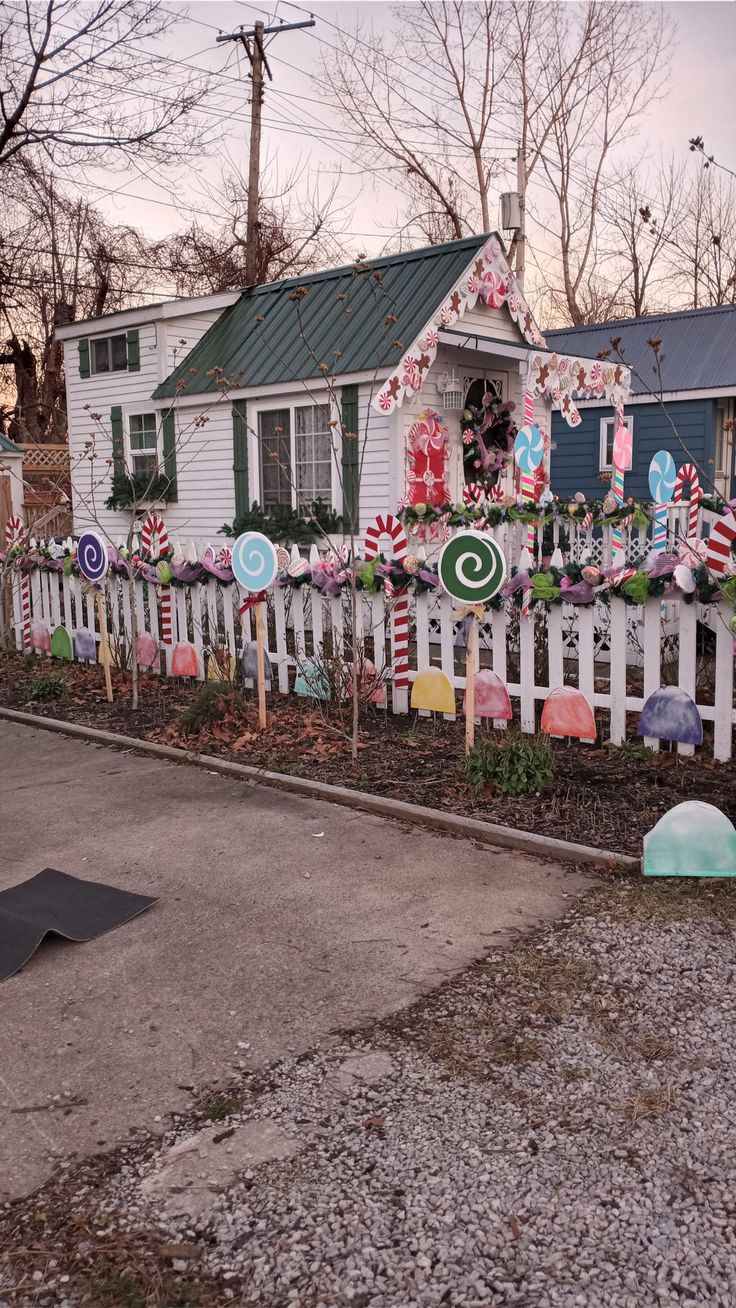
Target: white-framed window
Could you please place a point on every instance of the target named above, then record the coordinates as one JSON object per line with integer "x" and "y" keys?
{"x": 108, "y": 354}
{"x": 295, "y": 455}
{"x": 724, "y": 438}
{"x": 143, "y": 444}
{"x": 607, "y": 433}
{"x": 476, "y": 387}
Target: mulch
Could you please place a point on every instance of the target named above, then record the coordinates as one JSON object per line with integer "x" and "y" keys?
{"x": 600, "y": 796}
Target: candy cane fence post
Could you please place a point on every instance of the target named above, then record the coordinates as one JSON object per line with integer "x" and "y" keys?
{"x": 385, "y": 524}
{"x": 689, "y": 473}
{"x": 154, "y": 543}
{"x": 622, "y": 454}
{"x": 13, "y": 536}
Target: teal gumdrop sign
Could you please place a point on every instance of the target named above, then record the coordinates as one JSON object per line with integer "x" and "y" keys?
{"x": 693, "y": 840}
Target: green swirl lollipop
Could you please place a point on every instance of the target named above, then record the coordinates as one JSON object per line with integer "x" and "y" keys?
{"x": 472, "y": 567}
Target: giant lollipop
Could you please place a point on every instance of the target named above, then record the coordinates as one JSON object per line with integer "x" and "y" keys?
{"x": 528, "y": 453}
{"x": 661, "y": 485}
{"x": 92, "y": 561}
{"x": 472, "y": 569}
{"x": 255, "y": 567}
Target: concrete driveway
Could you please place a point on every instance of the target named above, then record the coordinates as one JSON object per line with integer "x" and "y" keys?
{"x": 280, "y": 922}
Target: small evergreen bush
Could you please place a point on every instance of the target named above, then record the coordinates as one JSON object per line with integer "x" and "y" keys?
{"x": 285, "y": 525}
{"x": 49, "y": 685}
{"x": 208, "y": 707}
{"x": 517, "y": 767}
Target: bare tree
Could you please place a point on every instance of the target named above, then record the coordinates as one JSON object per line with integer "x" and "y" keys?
{"x": 438, "y": 140}
{"x": 643, "y": 212}
{"x": 59, "y": 261}
{"x": 298, "y": 231}
{"x": 85, "y": 82}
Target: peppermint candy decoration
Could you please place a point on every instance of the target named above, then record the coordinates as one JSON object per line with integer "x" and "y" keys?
{"x": 662, "y": 477}
{"x": 255, "y": 562}
{"x": 472, "y": 567}
{"x": 92, "y": 559}
{"x": 529, "y": 448}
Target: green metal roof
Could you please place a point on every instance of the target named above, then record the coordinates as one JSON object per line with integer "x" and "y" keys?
{"x": 268, "y": 337}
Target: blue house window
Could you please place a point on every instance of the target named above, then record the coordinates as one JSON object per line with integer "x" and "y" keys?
{"x": 608, "y": 431}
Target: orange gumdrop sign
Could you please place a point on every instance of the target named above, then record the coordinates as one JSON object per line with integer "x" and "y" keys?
{"x": 567, "y": 712}
{"x": 184, "y": 661}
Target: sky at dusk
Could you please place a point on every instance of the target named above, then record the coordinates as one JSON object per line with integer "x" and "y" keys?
{"x": 298, "y": 129}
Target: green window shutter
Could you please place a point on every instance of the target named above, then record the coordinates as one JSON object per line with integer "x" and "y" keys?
{"x": 240, "y": 457}
{"x": 118, "y": 447}
{"x": 168, "y": 426}
{"x": 350, "y": 458}
{"x": 134, "y": 350}
{"x": 84, "y": 359}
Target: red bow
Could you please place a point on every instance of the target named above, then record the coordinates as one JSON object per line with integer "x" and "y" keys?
{"x": 259, "y": 598}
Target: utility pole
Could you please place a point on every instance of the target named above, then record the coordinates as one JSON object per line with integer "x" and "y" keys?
{"x": 521, "y": 233}
{"x": 252, "y": 43}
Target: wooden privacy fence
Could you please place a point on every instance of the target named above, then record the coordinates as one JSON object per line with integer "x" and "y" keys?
{"x": 616, "y": 654}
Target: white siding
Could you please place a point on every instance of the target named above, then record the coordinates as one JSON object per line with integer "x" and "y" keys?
{"x": 377, "y": 494}
{"x": 494, "y": 323}
{"x": 204, "y": 455}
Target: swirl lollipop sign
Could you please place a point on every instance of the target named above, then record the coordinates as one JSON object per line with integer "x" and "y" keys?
{"x": 528, "y": 454}
{"x": 472, "y": 569}
{"x": 255, "y": 567}
{"x": 93, "y": 561}
{"x": 661, "y": 486}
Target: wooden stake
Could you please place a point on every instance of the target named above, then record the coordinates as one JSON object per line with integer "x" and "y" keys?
{"x": 102, "y": 619}
{"x": 470, "y": 683}
{"x": 261, "y": 663}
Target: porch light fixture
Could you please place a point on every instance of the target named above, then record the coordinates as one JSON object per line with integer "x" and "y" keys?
{"x": 452, "y": 391}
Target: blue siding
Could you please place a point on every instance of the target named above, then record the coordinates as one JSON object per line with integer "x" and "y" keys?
{"x": 575, "y": 460}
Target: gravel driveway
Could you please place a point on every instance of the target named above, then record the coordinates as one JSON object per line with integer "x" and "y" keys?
{"x": 555, "y": 1127}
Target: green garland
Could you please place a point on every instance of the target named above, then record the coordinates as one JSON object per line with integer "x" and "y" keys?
{"x": 493, "y": 515}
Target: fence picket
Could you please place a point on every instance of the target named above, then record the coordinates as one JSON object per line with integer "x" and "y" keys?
{"x": 686, "y": 664}
{"x": 281, "y": 653}
{"x": 617, "y": 672}
{"x": 555, "y": 663}
{"x": 421, "y": 619}
{"x": 526, "y": 673}
{"x": 652, "y": 655}
{"x": 723, "y": 700}
{"x": 498, "y": 655}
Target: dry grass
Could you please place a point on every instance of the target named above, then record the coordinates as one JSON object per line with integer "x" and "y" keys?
{"x": 654, "y": 1102}
{"x": 653, "y": 1049}
{"x": 688, "y": 900}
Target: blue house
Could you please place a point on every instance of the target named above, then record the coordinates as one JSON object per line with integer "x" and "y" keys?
{"x": 698, "y": 388}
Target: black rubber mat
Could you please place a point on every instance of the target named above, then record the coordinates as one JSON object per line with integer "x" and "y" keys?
{"x": 54, "y": 902}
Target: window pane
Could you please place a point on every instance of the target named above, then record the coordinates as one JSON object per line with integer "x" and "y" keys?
{"x": 142, "y": 428}
{"x": 610, "y": 433}
{"x": 119, "y": 349}
{"x": 274, "y": 431}
{"x": 101, "y": 356}
{"x": 313, "y": 454}
{"x": 144, "y": 465}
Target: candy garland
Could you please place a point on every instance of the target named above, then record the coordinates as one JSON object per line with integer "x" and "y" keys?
{"x": 388, "y": 525}
{"x": 689, "y": 473}
{"x": 13, "y": 539}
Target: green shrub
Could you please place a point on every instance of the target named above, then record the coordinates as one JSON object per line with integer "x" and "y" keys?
{"x": 209, "y": 706}
{"x": 285, "y": 525}
{"x": 49, "y": 685}
{"x": 517, "y": 767}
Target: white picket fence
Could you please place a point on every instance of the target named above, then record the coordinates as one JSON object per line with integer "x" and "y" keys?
{"x": 615, "y": 654}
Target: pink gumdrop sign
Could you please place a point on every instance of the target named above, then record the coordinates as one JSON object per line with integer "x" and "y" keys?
{"x": 491, "y": 697}
{"x": 146, "y": 650}
{"x": 567, "y": 712}
{"x": 40, "y": 637}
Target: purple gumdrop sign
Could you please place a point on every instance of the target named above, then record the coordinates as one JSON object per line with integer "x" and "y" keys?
{"x": 84, "y": 646}
{"x": 671, "y": 714}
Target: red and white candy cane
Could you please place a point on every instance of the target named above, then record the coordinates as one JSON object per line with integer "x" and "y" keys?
{"x": 472, "y": 493}
{"x": 154, "y": 543}
{"x": 154, "y": 538}
{"x": 718, "y": 554}
{"x": 387, "y": 525}
{"x": 689, "y": 473}
{"x": 13, "y": 536}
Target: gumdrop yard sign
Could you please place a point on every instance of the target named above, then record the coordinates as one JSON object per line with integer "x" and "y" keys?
{"x": 255, "y": 567}
{"x": 472, "y": 569}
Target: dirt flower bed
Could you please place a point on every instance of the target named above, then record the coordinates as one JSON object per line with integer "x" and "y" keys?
{"x": 603, "y": 796}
